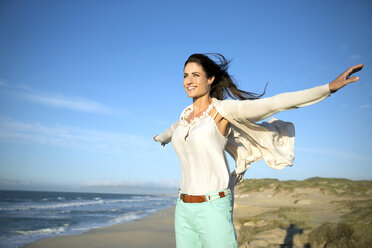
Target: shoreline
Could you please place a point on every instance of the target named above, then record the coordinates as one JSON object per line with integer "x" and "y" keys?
{"x": 155, "y": 230}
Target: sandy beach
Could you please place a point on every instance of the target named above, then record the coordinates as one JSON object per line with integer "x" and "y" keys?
{"x": 155, "y": 230}
{"x": 267, "y": 213}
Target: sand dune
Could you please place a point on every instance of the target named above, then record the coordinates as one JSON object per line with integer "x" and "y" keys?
{"x": 310, "y": 213}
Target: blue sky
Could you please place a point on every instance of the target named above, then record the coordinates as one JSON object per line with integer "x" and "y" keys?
{"x": 85, "y": 85}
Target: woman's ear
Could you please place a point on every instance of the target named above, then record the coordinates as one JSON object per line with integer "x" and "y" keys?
{"x": 210, "y": 80}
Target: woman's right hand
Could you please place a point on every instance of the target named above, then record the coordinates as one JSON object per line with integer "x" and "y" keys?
{"x": 156, "y": 139}
{"x": 345, "y": 78}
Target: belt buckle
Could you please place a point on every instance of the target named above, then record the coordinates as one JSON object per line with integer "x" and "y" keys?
{"x": 182, "y": 196}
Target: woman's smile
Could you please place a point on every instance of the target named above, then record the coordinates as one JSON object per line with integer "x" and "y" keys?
{"x": 191, "y": 88}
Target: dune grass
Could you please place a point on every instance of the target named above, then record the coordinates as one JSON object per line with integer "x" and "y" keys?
{"x": 339, "y": 235}
{"x": 283, "y": 217}
{"x": 334, "y": 186}
{"x": 353, "y": 230}
{"x": 359, "y": 211}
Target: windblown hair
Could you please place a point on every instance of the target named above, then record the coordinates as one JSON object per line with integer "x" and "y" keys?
{"x": 223, "y": 85}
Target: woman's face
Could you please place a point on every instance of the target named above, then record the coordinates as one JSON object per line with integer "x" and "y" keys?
{"x": 195, "y": 80}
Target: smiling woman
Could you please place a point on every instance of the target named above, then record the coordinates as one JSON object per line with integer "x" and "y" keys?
{"x": 211, "y": 126}
{"x": 195, "y": 81}
{"x": 202, "y": 76}
{"x": 220, "y": 83}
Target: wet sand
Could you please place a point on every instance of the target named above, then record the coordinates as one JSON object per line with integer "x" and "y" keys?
{"x": 156, "y": 231}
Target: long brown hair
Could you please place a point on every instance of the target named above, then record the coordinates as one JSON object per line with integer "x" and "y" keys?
{"x": 223, "y": 85}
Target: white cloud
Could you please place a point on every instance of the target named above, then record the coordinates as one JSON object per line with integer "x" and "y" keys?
{"x": 351, "y": 107}
{"x": 346, "y": 51}
{"x": 347, "y": 106}
{"x": 23, "y": 87}
{"x": 71, "y": 103}
{"x": 355, "y": 56}
{"x": 2, "y": 83}
{"x": 74, "y": 137}
{"x": 57, "y": 100}
{"x": 337, "y": 153}
{"x": 366, "y": 106}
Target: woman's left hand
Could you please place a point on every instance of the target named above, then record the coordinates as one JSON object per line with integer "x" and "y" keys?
{"x": 156, "y": 139}
{"x": 345, "y": 78}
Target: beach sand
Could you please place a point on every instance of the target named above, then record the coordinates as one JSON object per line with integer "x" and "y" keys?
{"x": 155, "y": 230}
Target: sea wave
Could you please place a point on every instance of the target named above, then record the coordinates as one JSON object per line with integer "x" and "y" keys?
{"x": 125, "y": 218}
{"x": 29, "y": 216}
{"x": 52, "y": 206}
{"x": 42, "y": 231}
{"x": 96, "y": 201}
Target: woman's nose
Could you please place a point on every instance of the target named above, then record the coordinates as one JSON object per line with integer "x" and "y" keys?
{"x": 189, "y": 81}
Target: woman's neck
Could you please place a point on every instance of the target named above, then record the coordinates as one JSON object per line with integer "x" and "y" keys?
{"x": 200, "y": 104}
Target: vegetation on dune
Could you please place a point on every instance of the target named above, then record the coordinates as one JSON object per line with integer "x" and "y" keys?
{"x": 335, "y": 186}
{"x": 284, "y": 218}
{"x": 256, "y": 185}
{"x": 338, "y": 235}
{"x": 252, "y": 226}
{"x": 359, "y": 216}
{"x": 355, "y": 203}
{"x": 358, "y": 211}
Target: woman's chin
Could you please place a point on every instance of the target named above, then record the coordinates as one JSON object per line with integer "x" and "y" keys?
{"x": 190, "y": 95}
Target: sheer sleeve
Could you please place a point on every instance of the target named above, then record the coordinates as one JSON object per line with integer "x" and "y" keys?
{"x": 166, "y": 136}
{"x": 257, "y": 110}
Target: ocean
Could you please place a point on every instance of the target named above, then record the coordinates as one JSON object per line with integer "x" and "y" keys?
{"x": 27, "y": 216}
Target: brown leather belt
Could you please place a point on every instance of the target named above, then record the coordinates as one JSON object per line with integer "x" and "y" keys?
{"x": 198, "y": 198}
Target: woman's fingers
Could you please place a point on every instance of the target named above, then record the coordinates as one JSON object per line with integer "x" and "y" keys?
{"x": 345, "y": 78}
{"x": 353, "y": 70}
{"x": 351, "y": 80}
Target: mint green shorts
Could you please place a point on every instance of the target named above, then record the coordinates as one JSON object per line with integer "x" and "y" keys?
{"x": 207, "y": 224}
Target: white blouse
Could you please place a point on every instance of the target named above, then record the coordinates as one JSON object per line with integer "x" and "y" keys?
{"x": 247, "y": 141}
{"x": 200, "y": 147}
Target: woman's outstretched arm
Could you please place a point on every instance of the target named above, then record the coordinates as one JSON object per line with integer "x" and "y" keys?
{"x": 166, "y": 136}
{"x": 257, "y": 110}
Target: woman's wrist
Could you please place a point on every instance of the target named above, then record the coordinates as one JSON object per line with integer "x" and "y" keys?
{"x": 332, "y": 89}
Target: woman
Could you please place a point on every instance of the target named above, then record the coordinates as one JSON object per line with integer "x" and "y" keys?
{"x": 212, "y": 125}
